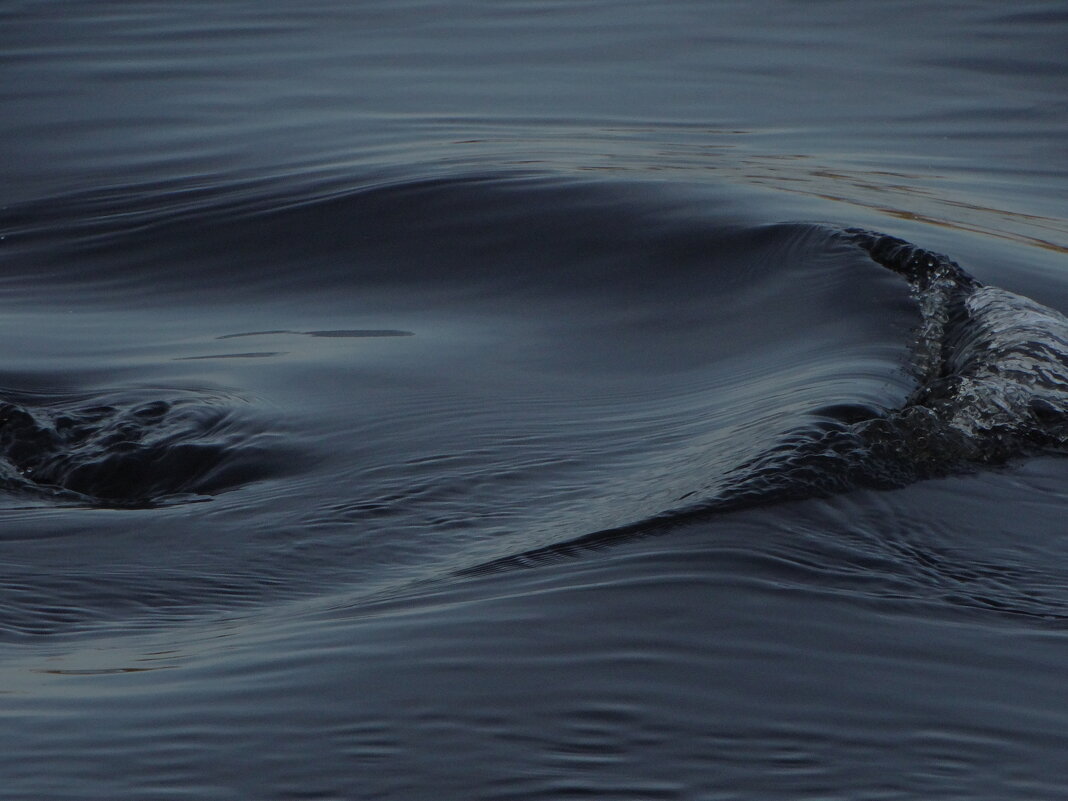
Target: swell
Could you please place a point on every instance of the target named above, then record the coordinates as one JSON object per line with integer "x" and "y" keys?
{"x": 685, "y": 321}
{"x": 565, "y": 264}
{"x": 992, "y": 385}
{"x": 469, "y": 235}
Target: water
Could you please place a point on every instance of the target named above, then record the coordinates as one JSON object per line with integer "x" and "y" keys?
{"x": 469, "y": 400}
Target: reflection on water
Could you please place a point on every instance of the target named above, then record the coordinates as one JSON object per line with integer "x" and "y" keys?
{"x": 916, "y": 198}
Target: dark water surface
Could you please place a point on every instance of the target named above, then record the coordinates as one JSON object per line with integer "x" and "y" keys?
{"x": 507, "y": 400}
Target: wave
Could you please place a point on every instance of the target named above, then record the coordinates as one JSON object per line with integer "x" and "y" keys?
{"x": 489, "y": 366}
{"x": 988, "y": 365}
{"x": 992, "y": 375}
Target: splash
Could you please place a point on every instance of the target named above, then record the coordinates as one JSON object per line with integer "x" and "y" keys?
{"x": 126, "y": 449}
{"x": 992, "y": 384}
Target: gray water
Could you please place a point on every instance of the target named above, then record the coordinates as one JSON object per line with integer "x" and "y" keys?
{"x": 488, "y": 400}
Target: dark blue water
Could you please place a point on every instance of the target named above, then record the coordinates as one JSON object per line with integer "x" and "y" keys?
{"x": 533, "y": 400}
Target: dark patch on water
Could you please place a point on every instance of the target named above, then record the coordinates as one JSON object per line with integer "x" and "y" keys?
{"x": 355, "y": 333}
{"x": 253, "y": 355}
{"x": 123, "y": 450}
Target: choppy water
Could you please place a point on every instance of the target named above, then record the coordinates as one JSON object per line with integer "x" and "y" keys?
{"x": 533, "y": 400}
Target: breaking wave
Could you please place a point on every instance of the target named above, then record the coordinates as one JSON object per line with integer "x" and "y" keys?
{"x": 991, "y": 369}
